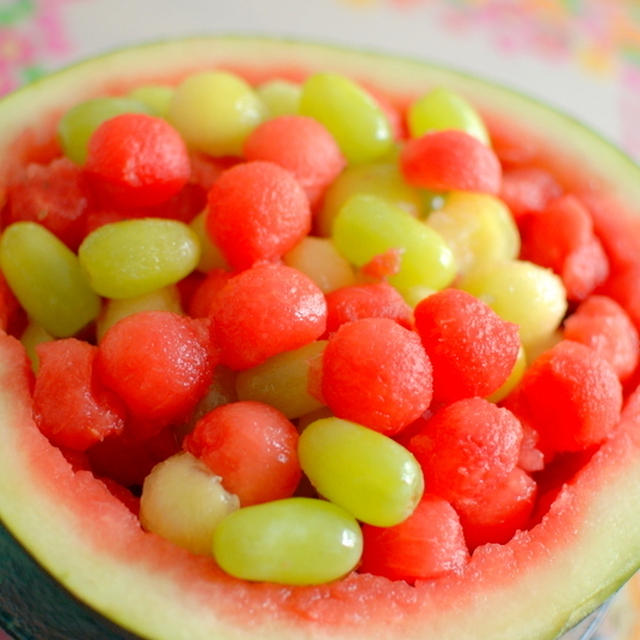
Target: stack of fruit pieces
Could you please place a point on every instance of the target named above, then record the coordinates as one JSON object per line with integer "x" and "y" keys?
{"x": 311, "y": 330}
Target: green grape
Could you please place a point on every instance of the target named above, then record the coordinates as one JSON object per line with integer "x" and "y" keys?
{"x": 210, "y": 256}
{"x": 133, "y": 257}
{"x": 353, "y": 116}
{"x": 319, "y": 259}
{"x": 367, "y": 473}
{"x": 441, "y": 109}
{"x": 78, "y": 124}
{"x": 283, "y": 380}
{"x": 163, "y": 299}
{"x": 292, "y": 541}
{"x": 215, "y": 111}
{"x": 31, "y": 337}
{"x": 280, "y": 97}
{"x": 524, "y": 293}
{"x": 183, "y": 501}
{"x": 47, "y": 279}
{"x": 368, "y": 226}
{"x": 156, "y": 97}
{"x": 478, "y": 228}
{"x": 383, "y": 179}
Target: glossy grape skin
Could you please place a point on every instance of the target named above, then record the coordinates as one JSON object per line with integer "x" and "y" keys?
{"x": 368, "y": 226}
{"x": 352, "y": 116}
{"x": 183, "y": 501}
{"x": 441, "y": 109}
{"x": 133, "y": 257}
{"x": 369, "y": 474}
{"x": 155, "y": 96}
{"x": 280, "y": 97}
{"x": 522, "y": 292}
{"x": 46, "y": 277}
{"x": 294, "y": 541}
{"x": 478, "y": 228}
{"x": 214, "y": 111}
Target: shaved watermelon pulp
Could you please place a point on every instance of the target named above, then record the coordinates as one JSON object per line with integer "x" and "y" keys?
{"x": 534, "y": 587}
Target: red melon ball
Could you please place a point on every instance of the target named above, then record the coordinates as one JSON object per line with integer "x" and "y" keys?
{"x": 263, "y": 311}
{"x": 451, "y": 160}
{"x": 376, "y": 373}
{"x": 303, "y": 146}
{"x": 159, "y": 363}
{"x": 252, "y": 447}
{"x": 136, "y": 160}
{"x": 471, "y": 348}
{"x": 257, "y": 212}
{"x": 428, "y": 544}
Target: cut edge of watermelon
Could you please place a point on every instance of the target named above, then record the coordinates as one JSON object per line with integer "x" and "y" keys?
{"x": 539, "y": 584}
{"x": 93, "y": 545}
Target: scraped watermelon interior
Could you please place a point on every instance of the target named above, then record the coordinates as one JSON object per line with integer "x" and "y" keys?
{"x": 513, "y": 577}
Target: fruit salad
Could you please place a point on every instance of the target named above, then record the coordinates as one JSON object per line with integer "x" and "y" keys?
{"x": 308, "y": 331}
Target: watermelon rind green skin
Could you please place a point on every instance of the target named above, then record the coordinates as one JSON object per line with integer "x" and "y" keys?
{"x": 35, "y": 606}
{"x": 535, "y": 587}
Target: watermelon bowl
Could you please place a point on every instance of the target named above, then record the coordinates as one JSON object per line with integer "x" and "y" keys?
{"x": 76, "y": 562}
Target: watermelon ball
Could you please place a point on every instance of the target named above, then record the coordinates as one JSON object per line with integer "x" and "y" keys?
{"x": 257, "y": 212}
{"x": 378, "y": 300}
{"x": 263, "y": 311}
{"x": 376, "y": 373}
{"x": 52, "y": 195}
{"x": 467, "y": 448}
{"x": 451, "y": 160}
{"x": 303, "y": 146}
{"x": 561, "y": 237}
{"x": 136, "y": 160}
{"x": 602, "y": 324}
{"x": 526, "y": 189}
{"x": 496, "y": 516}
{"x": 572, "y": 396}
{"x": 252, "y": 447}
{"x": 159, "y": 363}
{"x": 70, "y": 405}
{"x": 471, "y": 348}
{"x": 428, "y": 544}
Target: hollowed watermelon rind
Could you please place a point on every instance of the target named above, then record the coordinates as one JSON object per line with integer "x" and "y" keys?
{"x": 539, "y": 584}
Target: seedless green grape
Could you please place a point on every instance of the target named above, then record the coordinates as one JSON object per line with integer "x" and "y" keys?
{"x": 78, "y": 124}
{"x": 283, "y": 380}
{"x": 441, "y": 109}
{"x": 210, "y": 256}
{"x": 292, "y": 541}
{"x": 478, "y": 228}
{"x": 522, "y": 292}
{"x": 163, "y": 299}
{"x": 46, "y": 277}
{"x": 353, "y": 117}
{"x": 367, "y": 226}
{"x": 156, "y": 97}
{"x": 214, "y": 111}
{"x": 183, "y": 501}
{"x": 31, "y": 337}
{"x": 133, "y": 257}
{"x": 369, "y": 474}
{"x": 320, "y": 260}
{"x": 382, "y": 179}
{"x": 280, "y": 97}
